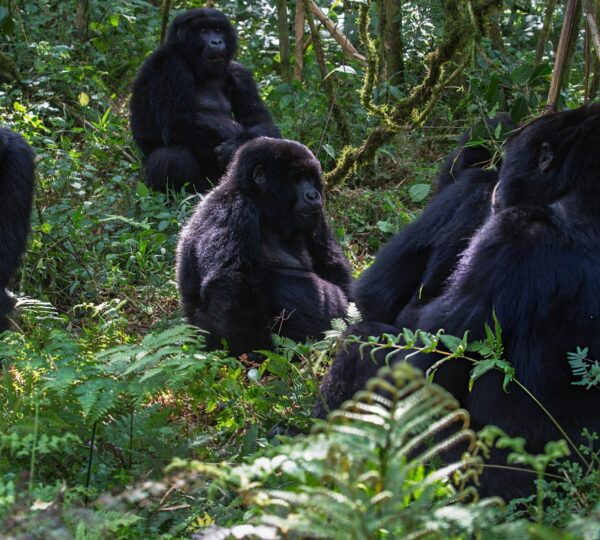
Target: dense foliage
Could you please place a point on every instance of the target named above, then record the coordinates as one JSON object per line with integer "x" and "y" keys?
{"x": 103, "y": 386}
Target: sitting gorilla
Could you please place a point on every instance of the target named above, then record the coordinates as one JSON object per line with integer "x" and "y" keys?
{"x": 536, "y": 265}
{"x": 413, "y": 267}
{"x": 192, "y": 106}
{"x": 16, "y": 196}
{"x": 257, "y": 256}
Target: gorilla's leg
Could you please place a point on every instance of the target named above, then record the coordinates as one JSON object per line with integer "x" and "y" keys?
{"x": 7, "y": 302}
{"x": 303, "y": 304}
{"x": 350, "y": 372}
{"x": 171, "y": 167}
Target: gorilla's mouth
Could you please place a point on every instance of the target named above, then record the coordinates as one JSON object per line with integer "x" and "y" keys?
{"x": 215, "y": 57}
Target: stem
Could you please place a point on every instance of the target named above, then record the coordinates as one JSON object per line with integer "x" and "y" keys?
{"x": 90, "y": 459}
{"x": 539, "y": 496}
{"x": 36, "y": 424}
{"x": 313, "y": 376}
{"x": 449, "y": 356}
{"x": 554, "y": 421}
{"x": 130, "y": 439}
{"x": 522, "y": 470}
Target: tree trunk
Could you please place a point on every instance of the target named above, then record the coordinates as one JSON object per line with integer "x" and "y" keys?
{"x": 494, "y": 32}
{"x": 564, "y": 51}
{"x": 299, "y": 40}
{"x": 575, "y": 31}
{"x": 544, "y": 33}
{"x": 391, "y": 37}
{"x": 595, "y": 67}
{"x": 165, "y": 20}
{"x": 284, "y": 41}
{"x": 327, "y": 80}
{"x": 82, "y": 18}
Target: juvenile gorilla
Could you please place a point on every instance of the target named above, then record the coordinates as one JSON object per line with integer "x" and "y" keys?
{"x": 257, "y": 256}
{"x": 16, "y": 195}
{"x": 192, "y": 106}
{"x": 413, "y": 267}
{"x": 536, "y": 265}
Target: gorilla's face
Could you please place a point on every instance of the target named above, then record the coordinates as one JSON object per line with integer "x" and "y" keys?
{"x": 550, "y": 158}
{"x": 212, "y": 46}
{"x": 292, "y": 200}
{"x": 308, "y": 205}
{"x": 206, "y": 38}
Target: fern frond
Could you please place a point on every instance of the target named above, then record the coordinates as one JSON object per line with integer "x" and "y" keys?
{"x": 370, "y": 469}
{"x": 38, "y": 310}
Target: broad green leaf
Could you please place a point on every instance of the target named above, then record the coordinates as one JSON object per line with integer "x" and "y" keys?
{"x": 418, "y": 192}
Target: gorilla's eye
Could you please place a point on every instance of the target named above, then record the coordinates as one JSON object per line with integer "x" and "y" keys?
{"x": 203, "y": 29}
{"x": 546, "y": 156}
{"x": 259, "y": 177}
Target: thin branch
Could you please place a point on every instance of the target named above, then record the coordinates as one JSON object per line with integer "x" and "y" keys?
{"x": 588, "y": 9}
{"x": 560, "y": 62}
{"x": 336, "y": 33}
{"x": 299, "y": 41}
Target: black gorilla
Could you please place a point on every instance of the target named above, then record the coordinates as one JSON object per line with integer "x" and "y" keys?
{"x": 16, "y": 196}
{"x": 536, "y": 265}
{"x": 257, "y": 256}
{"x": 192, "y": 106}
{"x": 413, "y": 267}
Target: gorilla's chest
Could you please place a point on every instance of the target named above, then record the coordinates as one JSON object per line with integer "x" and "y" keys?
{"x": 211, "y": 99}
{"x": 285, "y": 256}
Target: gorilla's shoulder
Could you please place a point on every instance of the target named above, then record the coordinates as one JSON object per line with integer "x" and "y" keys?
{"x": 238, "y": 72}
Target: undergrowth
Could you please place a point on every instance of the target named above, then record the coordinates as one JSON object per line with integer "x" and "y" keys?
{"x": 115, "y": 420}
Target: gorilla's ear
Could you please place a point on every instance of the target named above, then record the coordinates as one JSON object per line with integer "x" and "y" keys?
{"x": 259, "y": 177}
{"x": 546, "y": 156}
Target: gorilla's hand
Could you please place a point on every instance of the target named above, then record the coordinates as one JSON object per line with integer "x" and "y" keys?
{"x": 226, "y": 149}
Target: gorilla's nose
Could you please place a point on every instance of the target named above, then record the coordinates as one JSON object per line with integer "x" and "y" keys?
{"x": 312, "y": 196}
{"x": 216, "y": 43}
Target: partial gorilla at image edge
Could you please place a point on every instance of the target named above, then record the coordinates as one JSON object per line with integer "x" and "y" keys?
{"x": 535, "y": 264}
{"x": 17, "y": 174}
{"x": 257, "y": 257}
{"x": 192, "y": 106}
{"x": 413, "y": 267}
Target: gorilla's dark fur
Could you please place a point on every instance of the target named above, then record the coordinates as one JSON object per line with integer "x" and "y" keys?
{"x": 536, "y": 265}
{"x": 257, "y": 256}
{"x": 192, "y": 106}
{"x": 413, "y": 267}
{"x": 16, "y": 195}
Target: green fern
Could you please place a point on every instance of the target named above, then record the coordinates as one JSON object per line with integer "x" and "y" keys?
{"x": 369, "y": 471}
{"x": 587, "y": 369}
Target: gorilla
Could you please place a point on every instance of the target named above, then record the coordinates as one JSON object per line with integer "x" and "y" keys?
{"x": 192, "y": 106}
{"x": 535, "y": 266}
{"x": 257, "y": 256}
{"x": 16, "y": 197}
{"x": 413, "y": 267}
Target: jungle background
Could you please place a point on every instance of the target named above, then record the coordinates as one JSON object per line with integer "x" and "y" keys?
{"x": 114, "y": 420}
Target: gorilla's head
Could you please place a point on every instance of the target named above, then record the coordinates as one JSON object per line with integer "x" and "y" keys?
{"x": 552, "y": 160}
{"x": 283, "y": 179}
{"x": 205, "y": 37}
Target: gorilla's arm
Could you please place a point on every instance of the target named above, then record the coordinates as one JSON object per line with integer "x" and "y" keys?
{"x": 164, "y": 94}
{"x": 415, "y": 265}
{"x": 221, "y": 286}
{"x": 329, "y": 260}
{"x": 16, "y": 194}
{"x": 392, "y": 280}
{"x": 504, "y": 271}
{"x": 248, "y": 109}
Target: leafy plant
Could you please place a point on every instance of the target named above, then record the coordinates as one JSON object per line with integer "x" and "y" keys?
{"x": 368, "y": 472}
